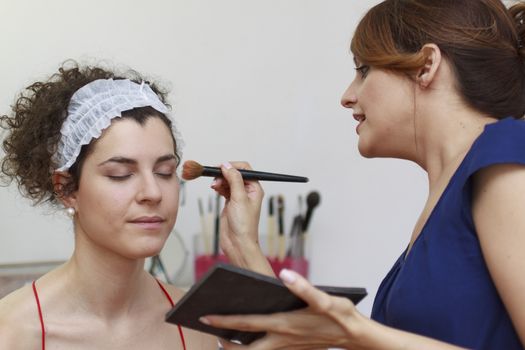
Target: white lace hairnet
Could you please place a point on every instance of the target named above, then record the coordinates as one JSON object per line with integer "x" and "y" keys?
{"x": 91, "y": 109}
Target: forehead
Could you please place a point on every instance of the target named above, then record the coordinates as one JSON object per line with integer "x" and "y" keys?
{"x": 126, "y": 137}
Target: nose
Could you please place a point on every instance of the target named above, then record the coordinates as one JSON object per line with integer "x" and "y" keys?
{"x": 150, "y": 191}
{"x": 349, "y": 98}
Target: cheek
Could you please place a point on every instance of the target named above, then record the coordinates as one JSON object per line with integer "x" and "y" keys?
{"x": 377, "y": 97}
{"x": 105, "y": 200}
{"x": 171, "y": 198}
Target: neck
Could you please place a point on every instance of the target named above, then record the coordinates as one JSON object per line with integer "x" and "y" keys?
{"x": 103, "y": 283}
{"x": 442, "y": 152}
{"x": 445, "y": 130}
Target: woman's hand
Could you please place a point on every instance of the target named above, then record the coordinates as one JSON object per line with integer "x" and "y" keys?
{"x": 239, "y": 226}
{"x": 327, "y": 321}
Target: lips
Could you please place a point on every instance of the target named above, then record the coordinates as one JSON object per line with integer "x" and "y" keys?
{"x": 148, "y": 219}
{"x": 148, "y": 222}
{"x": 359, "y": 117}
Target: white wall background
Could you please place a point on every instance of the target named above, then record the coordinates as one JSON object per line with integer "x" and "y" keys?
{"x": 256, "y": 80}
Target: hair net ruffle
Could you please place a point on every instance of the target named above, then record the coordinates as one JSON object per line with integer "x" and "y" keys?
{"x": 92, "y": 108}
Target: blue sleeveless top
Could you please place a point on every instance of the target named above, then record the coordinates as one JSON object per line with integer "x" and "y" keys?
{"x": 442, "y": 289}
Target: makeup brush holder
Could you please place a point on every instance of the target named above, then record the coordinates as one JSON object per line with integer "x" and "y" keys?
{"x": 204, "y": 259}
{"x": 297, "y": 264}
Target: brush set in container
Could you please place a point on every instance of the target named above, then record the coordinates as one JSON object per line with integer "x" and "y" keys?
{"x": 284, "y": 248}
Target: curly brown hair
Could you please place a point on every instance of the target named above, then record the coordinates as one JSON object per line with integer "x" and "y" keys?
{"x": 34, "y": 129}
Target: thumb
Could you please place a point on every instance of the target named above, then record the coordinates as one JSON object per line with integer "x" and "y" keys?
{"x": 235, "y": 181}
{"x": 298, "y": 285}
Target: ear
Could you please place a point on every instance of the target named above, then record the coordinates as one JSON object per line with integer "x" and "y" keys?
{"x": 427, "y": 73}
{"x": 61, "y": 179}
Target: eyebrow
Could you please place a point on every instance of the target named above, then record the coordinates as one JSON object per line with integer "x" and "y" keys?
{"x": 125, "y": 160}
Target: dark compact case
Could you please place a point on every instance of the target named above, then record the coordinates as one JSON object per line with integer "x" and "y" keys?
{"x": 229, "y": 290}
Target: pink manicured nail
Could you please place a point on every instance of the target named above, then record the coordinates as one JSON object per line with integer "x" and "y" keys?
{"x": 227, "y": 165}
{"x": 204, "y": 320}
{"x": 287, "y": 276}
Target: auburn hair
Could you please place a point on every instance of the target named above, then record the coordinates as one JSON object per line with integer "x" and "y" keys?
{"x": 481, "y": 39}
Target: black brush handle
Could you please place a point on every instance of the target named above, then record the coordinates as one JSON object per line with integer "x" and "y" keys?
{"x": 255, "y": 175}
{"x": 216, "y": 235}
{"x": 307, "y": 218}
{"x": 280, "y": 220}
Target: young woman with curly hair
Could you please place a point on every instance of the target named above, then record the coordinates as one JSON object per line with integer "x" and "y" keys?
{"x": 101, "y": 145}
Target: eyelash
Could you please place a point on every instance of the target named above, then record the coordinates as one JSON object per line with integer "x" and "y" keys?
{"x": 363, "y": 70}
{"x": 166, "y": 176}
{"x": 125, "y": 177}
{"x": 119, "y": 178}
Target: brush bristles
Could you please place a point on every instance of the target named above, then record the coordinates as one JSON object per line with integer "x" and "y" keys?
{"x": 313, "y": 199}
{"x": 191, "y": 170}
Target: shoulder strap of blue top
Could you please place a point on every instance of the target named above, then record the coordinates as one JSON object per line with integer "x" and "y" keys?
{"x": 502, "y": 142}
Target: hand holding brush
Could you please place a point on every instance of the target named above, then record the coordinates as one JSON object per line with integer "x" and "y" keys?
{"x": 192, "y": 170}
{"x": 240, "y": 217}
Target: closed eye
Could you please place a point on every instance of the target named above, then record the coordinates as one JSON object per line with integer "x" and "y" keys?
{"x": 119, "y": 177}
{"x": 165, "y": 175}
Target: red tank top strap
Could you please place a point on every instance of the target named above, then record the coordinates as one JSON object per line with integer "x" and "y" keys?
{"x": 172, "y": 305}
{"x": 37, "y": 299}
{"x": 40, "y": 316}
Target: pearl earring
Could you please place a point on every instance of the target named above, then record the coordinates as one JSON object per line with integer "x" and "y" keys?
{"x": 70, "y": 212}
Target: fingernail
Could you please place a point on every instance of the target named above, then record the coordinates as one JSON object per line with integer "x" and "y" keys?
{"x": 227, "y": 165}
{"x": 287, "y": 276}
{"x": 204, "y": 320}
{"x": 214, "y": 182}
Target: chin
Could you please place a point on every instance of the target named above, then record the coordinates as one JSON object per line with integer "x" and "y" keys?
{"x": 375, "y": 150}
{"x": 148, "y": 248}
{"x": 366, "y": 152}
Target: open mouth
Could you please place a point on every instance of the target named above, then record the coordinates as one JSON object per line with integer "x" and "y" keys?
{"x": 359, "y": 117}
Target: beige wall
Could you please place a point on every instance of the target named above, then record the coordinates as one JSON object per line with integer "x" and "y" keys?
{"x": 256, "y": 80}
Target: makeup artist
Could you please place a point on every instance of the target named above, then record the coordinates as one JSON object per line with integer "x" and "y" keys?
{"x": 72, "y": 143}
{"x": 440, "y": 83}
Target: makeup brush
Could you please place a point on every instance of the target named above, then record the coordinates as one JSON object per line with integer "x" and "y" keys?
{"x": 216, "y": 227}
{"x": 192, "y": 170}
{"x": 312, "y": 201}
{"x": 280, "y": 222}
{"x": 271, "y": 229}
{"x": 296, "y": 233}
{"x": 296, "y": 238}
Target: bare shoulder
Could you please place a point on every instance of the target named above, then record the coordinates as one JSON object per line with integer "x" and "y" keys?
{"x": 194, "y": 339}
{"x": 498, "y": 207}
{"x": 175, "y": 292}
{"x": 19, "y": 322}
